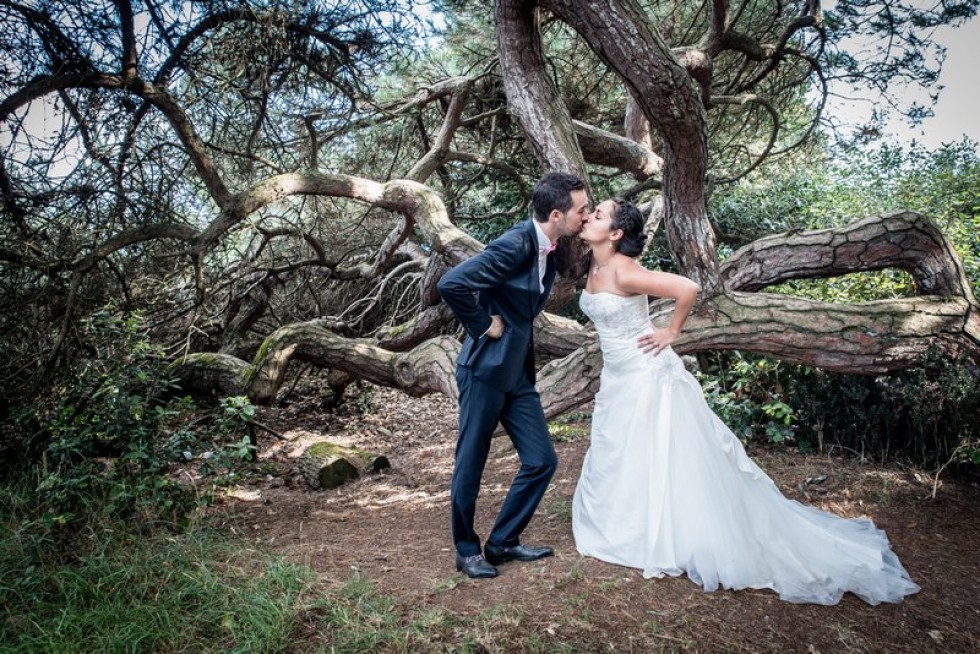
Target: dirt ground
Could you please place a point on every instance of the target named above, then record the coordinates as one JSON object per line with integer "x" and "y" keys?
{"x": 392, "y": 529}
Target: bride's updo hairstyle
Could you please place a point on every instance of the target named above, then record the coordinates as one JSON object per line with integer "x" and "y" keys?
{"x": 629, "y": 219}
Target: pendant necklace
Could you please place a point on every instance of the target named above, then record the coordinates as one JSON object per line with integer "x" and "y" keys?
{"x": 596, "y": 266}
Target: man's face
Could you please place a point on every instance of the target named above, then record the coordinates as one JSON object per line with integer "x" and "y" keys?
{"x": 571, "y": 221}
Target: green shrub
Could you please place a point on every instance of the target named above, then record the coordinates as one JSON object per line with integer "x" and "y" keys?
{"x": 927, "y": 414}
{"x": 104, "y": 438}
{"x": 747, "y": 394}
{"x": 224, "y": 439}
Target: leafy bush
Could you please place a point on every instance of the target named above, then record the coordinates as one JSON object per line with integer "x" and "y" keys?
{"x": 103, "y": 439}
{"x": 747, "y": 394}
{"x": 928, "y": 413}
{"x": 227, "y": 440}
{"x": 102, "y": 434}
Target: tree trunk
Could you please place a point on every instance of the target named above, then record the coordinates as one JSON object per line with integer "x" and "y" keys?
{"x": 328, "y": 465}
{"x": 427, "y": 368}
{"x": 530, "y": 96}
{"x": 620, "y": 33}
{"x": 608, "y": 149}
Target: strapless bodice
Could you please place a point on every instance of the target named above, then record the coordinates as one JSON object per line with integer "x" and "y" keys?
{"x": 616, "y": 316}
{"x": 620, "y": 320}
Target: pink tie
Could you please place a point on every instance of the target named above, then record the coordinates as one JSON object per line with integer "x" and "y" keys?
{"x": 551, "y": 248}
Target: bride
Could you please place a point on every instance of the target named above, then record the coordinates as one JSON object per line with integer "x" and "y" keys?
{"x": 666, "y": 487}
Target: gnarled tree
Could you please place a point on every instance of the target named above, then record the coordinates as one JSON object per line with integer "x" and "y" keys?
{"x": 237, "y": 171}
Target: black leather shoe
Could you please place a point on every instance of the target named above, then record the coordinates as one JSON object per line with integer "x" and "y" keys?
{"x": 497, "y": 555}
{"x": 475, "y": 567}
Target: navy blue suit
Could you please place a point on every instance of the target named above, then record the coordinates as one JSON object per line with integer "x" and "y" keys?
{"x": 495, "y": 378}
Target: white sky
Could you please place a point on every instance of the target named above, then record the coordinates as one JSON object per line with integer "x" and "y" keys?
{"x": 956, "y": 112}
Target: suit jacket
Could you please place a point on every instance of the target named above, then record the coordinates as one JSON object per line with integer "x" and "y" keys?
{"x": 503, "y": 280}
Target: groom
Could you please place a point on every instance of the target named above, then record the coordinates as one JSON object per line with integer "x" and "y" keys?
{"x": 496, "y": 295}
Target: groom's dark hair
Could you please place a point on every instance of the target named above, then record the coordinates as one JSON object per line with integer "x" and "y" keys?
{"x": 554, "y": 191}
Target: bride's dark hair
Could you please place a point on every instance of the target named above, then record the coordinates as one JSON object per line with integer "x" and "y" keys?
{"x": 629, "y": 219}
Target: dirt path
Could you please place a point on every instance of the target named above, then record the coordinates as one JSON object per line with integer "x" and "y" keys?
{"x": 392, "y": 530}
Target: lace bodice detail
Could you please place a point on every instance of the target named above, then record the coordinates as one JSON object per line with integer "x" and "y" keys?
{"x": 620, "y": 320}
{"x": 616, "y": 316}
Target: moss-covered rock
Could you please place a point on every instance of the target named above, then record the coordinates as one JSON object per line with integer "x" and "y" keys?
{"x": 328, "y": 465}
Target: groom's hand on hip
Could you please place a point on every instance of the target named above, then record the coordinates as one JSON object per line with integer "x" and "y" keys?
{"x": 496, "y": 327}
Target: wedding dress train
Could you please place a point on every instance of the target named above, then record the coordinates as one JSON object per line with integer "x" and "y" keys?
{"x": 666, "y": 487}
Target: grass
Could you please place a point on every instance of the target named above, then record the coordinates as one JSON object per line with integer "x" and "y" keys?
{"x": 117, "y": 587}
{"x": 561, "y": 508}
{"x": 109, "y": 585}
{"x": 356, "y": 618}
{"x": 193, "y": 592}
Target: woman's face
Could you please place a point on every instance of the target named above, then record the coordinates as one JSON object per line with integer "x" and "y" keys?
{"x": 599, "y": 224}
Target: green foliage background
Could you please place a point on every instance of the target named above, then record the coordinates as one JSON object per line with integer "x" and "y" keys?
{"x": 926, "y": 414}
{"x": 98, "y": 547}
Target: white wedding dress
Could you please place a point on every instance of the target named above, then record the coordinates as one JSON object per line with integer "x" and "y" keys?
{"x": 667, "y": 488}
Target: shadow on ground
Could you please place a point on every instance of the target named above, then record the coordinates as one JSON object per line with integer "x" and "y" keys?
{"x": 390, "y": 533}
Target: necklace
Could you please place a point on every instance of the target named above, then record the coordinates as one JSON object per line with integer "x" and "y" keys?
{"x": 596, "y": 266}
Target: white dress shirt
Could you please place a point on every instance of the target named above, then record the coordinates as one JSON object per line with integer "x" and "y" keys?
{"x": 544, "y": 247}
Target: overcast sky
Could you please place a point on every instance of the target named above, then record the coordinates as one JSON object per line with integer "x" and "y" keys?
{"x": 956, "y": 113}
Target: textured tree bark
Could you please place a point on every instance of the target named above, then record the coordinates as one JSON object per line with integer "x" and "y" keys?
{"x": 904, "y": 240}
{"x": 608, "y": 149}
{"x": 327, "y": 465}
{"x": 636, "y": 126}
{"x": 530, "y": 96}
{"x": 555, "y": 336}
{"x": 871, "y": 338}
{"x": 427, "y": 368}
{"x": 244, "y": 310}
{"x": 420, "y": 205}
{"x": 570, "y": 382}
{"x": 210, "y": 373}
{"x": 424, "y": 326}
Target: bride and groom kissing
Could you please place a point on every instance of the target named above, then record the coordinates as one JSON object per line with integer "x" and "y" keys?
{"x": 665, "y": 486}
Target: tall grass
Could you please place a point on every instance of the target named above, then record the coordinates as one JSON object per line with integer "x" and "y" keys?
{"x": 110, "y": 590}
{"x": 106, "y": 588}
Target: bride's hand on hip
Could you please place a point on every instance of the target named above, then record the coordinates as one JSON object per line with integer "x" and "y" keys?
{"x": 657, "y": 341}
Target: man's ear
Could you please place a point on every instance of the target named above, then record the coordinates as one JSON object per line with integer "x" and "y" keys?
{"x": 554, "y": 216}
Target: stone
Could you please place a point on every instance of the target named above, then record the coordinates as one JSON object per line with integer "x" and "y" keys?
{"x": 327, "y": 465}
